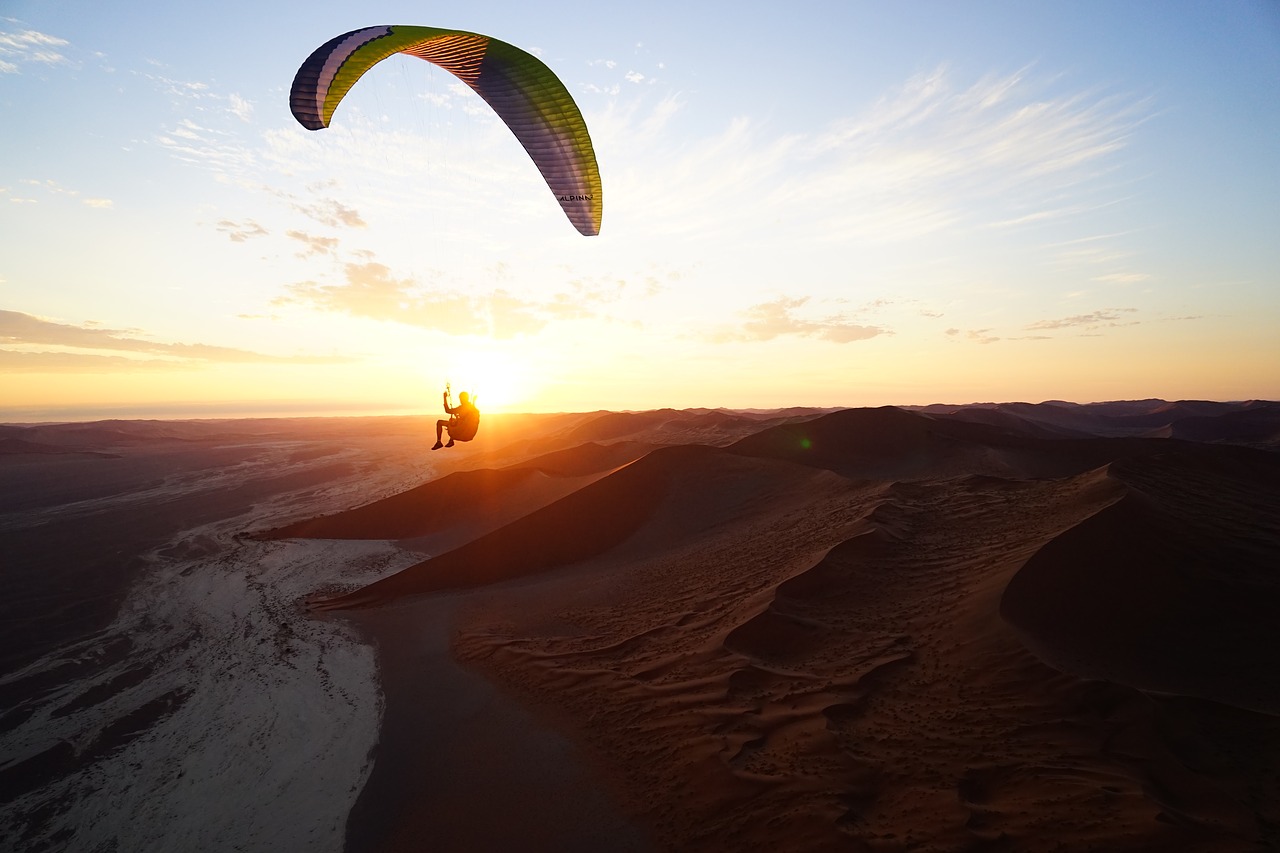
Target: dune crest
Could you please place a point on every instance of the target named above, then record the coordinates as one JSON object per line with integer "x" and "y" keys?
{"x": 457, "y": 508}
{"x": 670, "y": 493}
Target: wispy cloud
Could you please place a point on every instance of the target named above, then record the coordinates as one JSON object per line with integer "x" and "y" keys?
{"x": 1109, "y": 317}
{"x": 199, "y": 97}
{"x": 769, "y": 320}
{"x": 314, "y": 245}
{"x": 1123, "y": 278}
{"x": 203, "y": 146}
{"x": 30, "y": 47}
{"x": 52, "y": 188}
{"x": 87, "y": 342}
{"x": 977, "y": 336}
{"x": 239, "y": 232}
{"x": 331, "y": 212}
{"x": 209, "y": 136}
{"x": 1089, "y": 324}
{"x": 937, "y": 153}
{"x": 239, "y": 107}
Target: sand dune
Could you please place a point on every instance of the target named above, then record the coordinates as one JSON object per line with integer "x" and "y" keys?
{"x": 671, "y": 494}
{"x": 948, "y": 628}
{"x": 890, "y": 630}
{"x": 436, "y": 505}
{"x": 589, "y": 458}
{"x": 1174, "y": 588}
{"x": 462, "y": 506}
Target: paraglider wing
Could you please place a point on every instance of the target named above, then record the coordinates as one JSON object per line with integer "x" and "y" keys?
{"x": 524, "y": 92}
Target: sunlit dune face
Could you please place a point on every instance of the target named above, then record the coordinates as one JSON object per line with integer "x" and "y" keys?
{"x": 495, "y": 381}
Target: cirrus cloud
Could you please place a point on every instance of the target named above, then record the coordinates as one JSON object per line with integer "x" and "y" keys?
{"x": 30, "y": 47}
{"x": 1090, "y": 321}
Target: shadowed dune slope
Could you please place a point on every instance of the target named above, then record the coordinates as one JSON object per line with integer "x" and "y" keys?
{"x": 475, "y": 500}
{"x": 652, "y": 504}
{"x": 587, "y": 522}
{"x": 1175, "y": 587}
{"x": 432, "y": 506}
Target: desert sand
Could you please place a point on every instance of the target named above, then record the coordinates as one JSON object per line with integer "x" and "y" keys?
{"x": 1009, "y": 627}
{"x": 1021, "y": 628}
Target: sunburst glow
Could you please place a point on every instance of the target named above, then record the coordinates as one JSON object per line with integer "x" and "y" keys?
{"x": 496, "y": 380}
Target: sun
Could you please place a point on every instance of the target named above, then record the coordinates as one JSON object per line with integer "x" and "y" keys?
{"x": 497, "y": 381}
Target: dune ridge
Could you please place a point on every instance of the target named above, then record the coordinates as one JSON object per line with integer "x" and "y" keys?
{"x": 670, "y": 493}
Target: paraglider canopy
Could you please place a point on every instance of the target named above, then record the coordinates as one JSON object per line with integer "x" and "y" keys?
{"x": 524, "y": 92}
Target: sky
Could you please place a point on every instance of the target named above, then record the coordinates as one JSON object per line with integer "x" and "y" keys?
{"x": 805, "y": 204}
